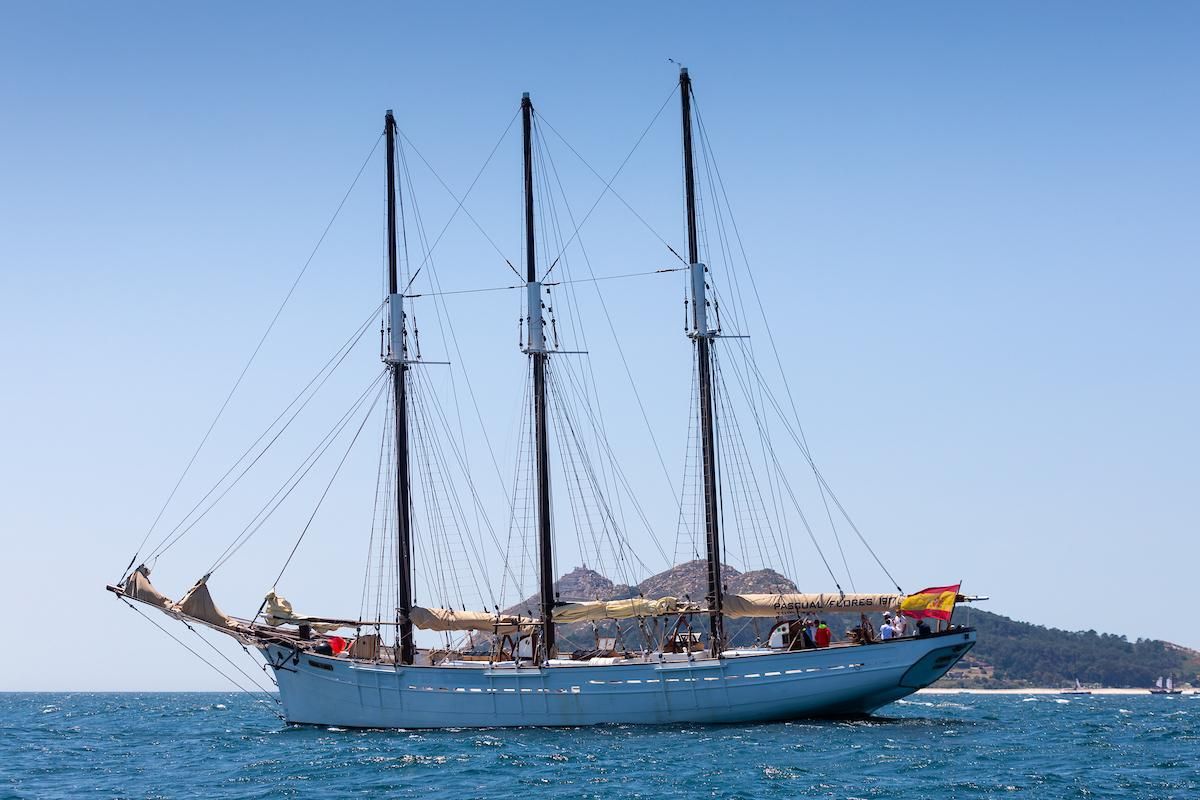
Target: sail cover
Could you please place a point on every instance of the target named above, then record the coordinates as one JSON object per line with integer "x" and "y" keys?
{"x": 782, "y": 605}
{"x": 449, "y": 619}
{"x": 278, "y": 611}
{"x": 198, "y": 604}
{"x": 138, "y": 587}
{"x": 615, "y": 609}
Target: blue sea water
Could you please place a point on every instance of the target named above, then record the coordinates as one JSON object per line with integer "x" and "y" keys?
{"x": 931, "y": 746}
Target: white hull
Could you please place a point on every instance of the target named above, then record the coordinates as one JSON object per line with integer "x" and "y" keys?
{"x": 751, "y": 687}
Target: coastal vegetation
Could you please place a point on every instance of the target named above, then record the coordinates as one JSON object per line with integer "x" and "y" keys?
{"x": 1014, "y": 655}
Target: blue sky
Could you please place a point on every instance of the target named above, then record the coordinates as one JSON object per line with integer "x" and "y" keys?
{"x": 974, "y": 228}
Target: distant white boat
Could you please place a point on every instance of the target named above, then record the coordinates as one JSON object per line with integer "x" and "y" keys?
{"x": 1077, "y": 690}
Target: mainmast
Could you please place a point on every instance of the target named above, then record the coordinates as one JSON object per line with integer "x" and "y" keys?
{"x": 398, "y": 364}
{"x": 703, "y": 336}
{"x": 536, "y": 348}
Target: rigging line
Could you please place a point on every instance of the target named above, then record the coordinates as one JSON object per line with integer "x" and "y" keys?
{"x": 619, "y": 474}
{"x": 463, "y": 465}
{"x": 574, "y": 314}
{"x": 774, "y": 461}
{"x": 593, "y": 279}
{"x": 293, "y": 480}
{"x": 599, "y": 430}
{"x": 329, "y": 485}
{"x": 339, "y": 356}
{"x": 444, "y": 319}
{"x": 616, "y": 194}
{"x": 713, "y": 172}
{"x": 569, "y": 465}
{"x": 597, "y": 278}
{"x": 623, "y": 547}
{"x": 749, "y": 481}
{"x": 397, "y": 159}
{"x": 457, "y": 515}
{"x": 184, "y": 645}
{"x": 430, "y": 481}
{"x": 821, "y": 478}
{"x": 800, "y": 512}
{"x": 822, "y": 484}
{"x": 764, "y": 436}
{"x": 379, "y": 480}
{"x": 611, "y": 327}
{"x": 521, "y": 481}
{"x": 253, "y": 355}
{"x": 738, "y": 314}
{"x": 609, "y": 183}
{"x": 460, "y": 206}
{"x": 438, "y": 306}
{"x": 230, "y": 661}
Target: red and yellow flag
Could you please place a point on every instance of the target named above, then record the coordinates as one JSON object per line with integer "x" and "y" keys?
{"x": 936, "y": 602}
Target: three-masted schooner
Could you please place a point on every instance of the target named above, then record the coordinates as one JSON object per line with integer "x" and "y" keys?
{"x": 519, "y": 676}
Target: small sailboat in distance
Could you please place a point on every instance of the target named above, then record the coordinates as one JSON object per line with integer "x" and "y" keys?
{"x": 1077, "y": 690}
{"x": 1168, "y": 688}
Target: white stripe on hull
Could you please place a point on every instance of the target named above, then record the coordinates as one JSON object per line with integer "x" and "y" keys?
{"x": 838, "y": 681}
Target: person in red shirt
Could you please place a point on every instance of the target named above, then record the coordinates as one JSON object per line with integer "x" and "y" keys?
{"x": 823, "y": 634}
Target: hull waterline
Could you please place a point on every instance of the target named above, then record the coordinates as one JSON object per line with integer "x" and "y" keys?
{"x": 748, "y": 687}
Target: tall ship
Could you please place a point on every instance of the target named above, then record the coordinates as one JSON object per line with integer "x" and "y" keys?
{"x": 446, "y": 636}
{"x": 1165, "y": 688}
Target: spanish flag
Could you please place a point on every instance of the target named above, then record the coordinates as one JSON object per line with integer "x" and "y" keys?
{"x": 936, "y": 602}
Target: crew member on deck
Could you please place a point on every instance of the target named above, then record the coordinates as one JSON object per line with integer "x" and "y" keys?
{"x": 823, "y": 634}
{"x": 806, "y": 634}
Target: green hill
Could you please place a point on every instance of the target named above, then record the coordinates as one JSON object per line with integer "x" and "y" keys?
{"x": 1012, "y": 654}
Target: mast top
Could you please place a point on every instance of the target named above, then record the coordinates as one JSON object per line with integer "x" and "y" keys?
{"x": 524, "y": 95}
{"x": 682, "y": 71}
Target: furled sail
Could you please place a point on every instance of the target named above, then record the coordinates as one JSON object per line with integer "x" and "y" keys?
{"x": 773, "y": 605}
{"x": 198, "y": 604}
{"x": 138, "y": 587}
{"x": 278, "y": 611}
{"x": 449, "y": 619}
{"x": 615, "y": 609}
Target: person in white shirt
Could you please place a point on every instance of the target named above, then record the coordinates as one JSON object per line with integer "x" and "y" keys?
{"x": 886, "y": 631}
{"x": 899, "y": 625}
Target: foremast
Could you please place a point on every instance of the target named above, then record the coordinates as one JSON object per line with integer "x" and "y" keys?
{"x": 703, "y": 337}
{"x": 397, "y": 361}
{"x": 536, "y": 349}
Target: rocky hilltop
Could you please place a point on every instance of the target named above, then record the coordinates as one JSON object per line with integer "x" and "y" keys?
{"x": 685, "y": 581}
